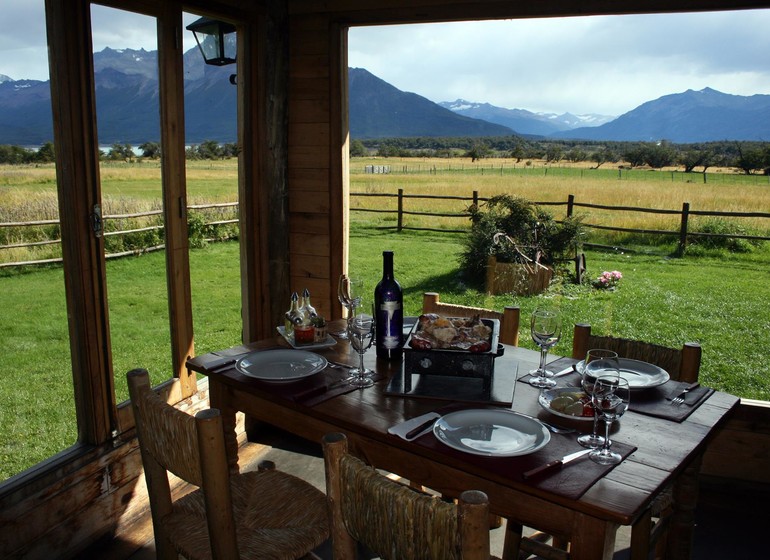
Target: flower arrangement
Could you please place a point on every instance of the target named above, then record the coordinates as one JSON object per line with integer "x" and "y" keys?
{"x": 608, "y": 280}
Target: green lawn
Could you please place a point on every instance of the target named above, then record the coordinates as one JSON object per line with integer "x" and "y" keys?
{"x": 722, "y": 302}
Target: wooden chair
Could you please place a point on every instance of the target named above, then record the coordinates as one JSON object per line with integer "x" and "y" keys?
{"x": 266, "y": 514}
{"x": 649, "y": 532}
{"x": 681, "y": 364}
{"x": 509, "y": 318}
{"x": 395, "y": 521}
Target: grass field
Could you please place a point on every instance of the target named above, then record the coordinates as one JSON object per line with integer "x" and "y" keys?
{"x": 721, "y": 300}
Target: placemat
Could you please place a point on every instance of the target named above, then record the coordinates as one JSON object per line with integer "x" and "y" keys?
{"x": 310, "y": 391}
{"x": 655, "y": 401}
{"x": 571, "y": 481}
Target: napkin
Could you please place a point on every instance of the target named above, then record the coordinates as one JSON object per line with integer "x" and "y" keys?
{"x": 404, "y": 428}
{"x": 692, "y": 397}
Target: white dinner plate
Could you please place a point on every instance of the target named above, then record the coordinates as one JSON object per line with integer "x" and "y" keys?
{"x": 328, "y": 342}
{"x": 491, "y": 432}
{"x": 547, "y": 395}
{"x": 281, "y": 366}
{"x": 640, "y": 375}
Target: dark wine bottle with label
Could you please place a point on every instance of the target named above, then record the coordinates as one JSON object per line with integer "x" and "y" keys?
{"x": 388, "y": 305}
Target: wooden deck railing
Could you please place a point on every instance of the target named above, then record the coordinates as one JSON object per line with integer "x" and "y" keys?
{"x": 684, "y": 233}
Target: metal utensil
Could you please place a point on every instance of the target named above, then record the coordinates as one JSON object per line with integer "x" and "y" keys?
{"x": 414, "y": 432}
{"x": 679, "y": 399}
{"x": 558, "y": 463}
{"x": 565, "y": 371}
{"x": 557, "y": 429}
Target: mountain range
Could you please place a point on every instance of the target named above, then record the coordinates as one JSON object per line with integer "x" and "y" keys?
{"x": 128, "y": 110}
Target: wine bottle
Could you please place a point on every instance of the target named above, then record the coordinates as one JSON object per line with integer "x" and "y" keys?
{"x": 388, "y": 304}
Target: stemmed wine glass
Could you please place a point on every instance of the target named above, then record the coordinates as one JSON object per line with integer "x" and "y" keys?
{"x": 611, "y": 398}
{"x": 361, "y": 334}
{"x": 349, "y": 293}
{"x": 598, "y": 363}
{"x": 546, "y": 331}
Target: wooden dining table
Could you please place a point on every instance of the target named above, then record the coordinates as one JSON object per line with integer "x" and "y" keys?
{"x": 660, "y": 453}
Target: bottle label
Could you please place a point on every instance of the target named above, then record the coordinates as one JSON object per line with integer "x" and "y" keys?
{"x": 392, "y": 322}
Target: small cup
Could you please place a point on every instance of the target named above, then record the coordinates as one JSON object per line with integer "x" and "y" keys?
{"x": 303, "y": 334}
{"x": 320, "y": 333}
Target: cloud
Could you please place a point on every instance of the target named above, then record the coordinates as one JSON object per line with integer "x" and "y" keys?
{"x": 601, "y": 64}
{"x": 607, "y": 64}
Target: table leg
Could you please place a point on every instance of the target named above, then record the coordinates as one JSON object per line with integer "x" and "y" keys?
{"x": 681, "y": 532}
{"x": 218, "y": 399}
{"x": 592, "y": 539}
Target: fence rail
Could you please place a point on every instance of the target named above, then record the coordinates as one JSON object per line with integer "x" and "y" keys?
{"x": 683, "y": 232}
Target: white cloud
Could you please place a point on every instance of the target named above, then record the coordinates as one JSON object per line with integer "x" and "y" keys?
{"x": 603, "y": 65}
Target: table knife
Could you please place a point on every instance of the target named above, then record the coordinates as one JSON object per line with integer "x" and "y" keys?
{"x": 565, "y": 371}
{"x": 558, "y": 463}
{"x": 414, "y": 432}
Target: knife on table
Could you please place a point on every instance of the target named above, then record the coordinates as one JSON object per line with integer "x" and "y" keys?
{"x": 558, "y": 463}
{"x": 414, "y": 432}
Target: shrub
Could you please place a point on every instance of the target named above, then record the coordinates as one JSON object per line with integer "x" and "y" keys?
{"x": 514, "y": 230}
{"x": 723, "y": 227}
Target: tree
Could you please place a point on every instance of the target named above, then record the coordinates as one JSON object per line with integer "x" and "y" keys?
{"x": 150, "y": 150}
{"x": 694, "y": 157}
{"x": 605, "y": 155}
{"x": 478, "y": 151}
{"x": 553, "y": 153}
{"x": 575, "y": 155}
{"x": 357, "y": 149}
{"x": 46, "y": 153}
{"x": 121, "y": 151}
{"x": 750, "y": 159}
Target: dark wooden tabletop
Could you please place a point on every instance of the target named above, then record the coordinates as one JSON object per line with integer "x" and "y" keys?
{"x": 664, "y": 449}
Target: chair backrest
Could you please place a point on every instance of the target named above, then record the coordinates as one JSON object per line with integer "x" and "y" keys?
{"x": 395, "y": 521}
{"x": 192, "y": 448}
{"x": 682, "y": 364}
{"x": 509, "y": 318}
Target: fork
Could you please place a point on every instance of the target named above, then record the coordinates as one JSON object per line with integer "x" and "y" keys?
{"x": 681, "y": 397}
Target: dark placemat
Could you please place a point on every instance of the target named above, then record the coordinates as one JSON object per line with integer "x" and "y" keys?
{"x": 310, "y": 391}
{"x": 655, "y": 401}
{"x": 571, "y": 481}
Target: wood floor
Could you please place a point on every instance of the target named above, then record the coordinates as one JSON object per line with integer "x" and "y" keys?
{"x": 730, "y": 520}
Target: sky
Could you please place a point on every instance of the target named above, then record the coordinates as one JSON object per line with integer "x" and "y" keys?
{"x": 581, "y": 65}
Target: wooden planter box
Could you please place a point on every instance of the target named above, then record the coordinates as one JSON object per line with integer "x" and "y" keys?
{"x": 518, "y": 279}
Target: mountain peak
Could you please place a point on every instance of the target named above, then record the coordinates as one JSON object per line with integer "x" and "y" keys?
{"x": 4, "y": 78}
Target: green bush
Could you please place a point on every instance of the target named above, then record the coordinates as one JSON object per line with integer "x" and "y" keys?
{"x": 513, "y": 230}
{"x": 722, "y": 227}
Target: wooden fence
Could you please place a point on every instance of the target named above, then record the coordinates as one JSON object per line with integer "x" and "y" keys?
{"x": 683, "y": 233}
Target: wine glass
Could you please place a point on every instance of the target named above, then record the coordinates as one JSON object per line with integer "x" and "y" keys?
{"x": 361, "y": 334}
{"x": 349, "y": 294}
{"x": 598, "y": 363}
{"x": 546, "y": 331}
{"x": 611, "y": 398}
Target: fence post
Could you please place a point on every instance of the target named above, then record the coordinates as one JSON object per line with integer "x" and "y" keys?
{"x": 476, "y": 199}
{"x": 570, "y": 205}
{"x": 400, "y": 209}
{"x": 683, "y": 229}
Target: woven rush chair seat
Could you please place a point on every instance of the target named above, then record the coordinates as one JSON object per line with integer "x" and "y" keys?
{"x": 397, "y": 522}
{"x": 265, "y": 515}
{"x": 277, "y": 517}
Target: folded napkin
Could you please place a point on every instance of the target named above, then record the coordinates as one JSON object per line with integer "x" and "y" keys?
{"x": 401, "y": 430}
{"x": 657, "y": 401}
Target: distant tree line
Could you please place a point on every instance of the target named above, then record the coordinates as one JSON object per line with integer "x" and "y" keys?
{"x": 209, "y": 149}
{"x": 749, "y": 157}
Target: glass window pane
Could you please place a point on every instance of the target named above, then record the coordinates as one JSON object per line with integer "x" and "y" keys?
{"x": 37, "y": 409}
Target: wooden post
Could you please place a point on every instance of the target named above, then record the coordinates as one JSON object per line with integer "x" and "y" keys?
{"x": 400, "y": 209}
{"x": 683, "y": 229}
{"x": 476, "y": 199}
{"x": 570, "y": 205}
